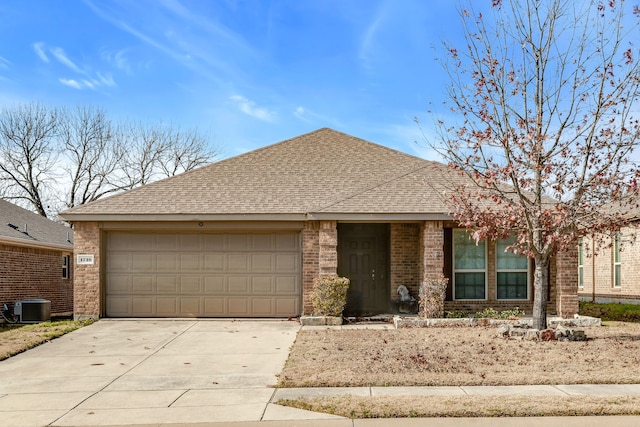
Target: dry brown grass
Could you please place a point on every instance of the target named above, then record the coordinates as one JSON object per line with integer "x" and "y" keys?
{"x": 15, "y": 339}
{"x": 469, "y": 406}
{"x": 460, "y": 356}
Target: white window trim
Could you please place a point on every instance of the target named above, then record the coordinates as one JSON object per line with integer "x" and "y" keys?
{"x": 66, "y": 267}
{"x": 580, "y": 263}
{"x": 616, "y": 251}
{"x": 453, "y": 268}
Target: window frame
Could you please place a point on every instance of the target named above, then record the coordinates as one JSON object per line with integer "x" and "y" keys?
{"x": 66, "y": 267}
{"x": 526, "y": 271}
{"x": 457, "y": 270}
{"x": 617, "y": 262}
{"x": 580, "y": 263}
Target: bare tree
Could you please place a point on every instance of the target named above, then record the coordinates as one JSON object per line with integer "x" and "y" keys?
{"x": 544, "y": 96}
{"x": 76, "y": 156}
{"x": 159, "y": 151}
{"x": 93, "y": 155}
{"x": 28, "y": 154}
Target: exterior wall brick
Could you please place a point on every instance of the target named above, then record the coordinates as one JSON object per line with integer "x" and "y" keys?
{"x": 35, "y": 273}
{"x": 567, "y": 283}
{"x": 598, "y": 270}
{"x": 87, "y": 295}
{"x": 310, "y": 261}
{"x": 405, "y": 258}
{"x": 431, "y": 236}
{"x": 328, "y": 250}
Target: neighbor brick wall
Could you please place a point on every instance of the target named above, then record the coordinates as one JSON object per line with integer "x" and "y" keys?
{"x": 405, "y": 258}
{"x": 87, "y": 295}
{"x": 310, "y": 261}
{"x": 602, "y": 274}
{"x": 35, "y": 273}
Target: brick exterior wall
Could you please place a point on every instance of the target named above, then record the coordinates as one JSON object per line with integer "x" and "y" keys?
{"x": 328, "y": 248}
{"x": 567, "y": 283}
{"x": 405, "y": 258}
{"x": 87, "y": 295}
{"x": 430, "y": 250}
{"x": 35, "y": 273}
{"x": 310, "y": 261}
{"x": 598, "y": 269}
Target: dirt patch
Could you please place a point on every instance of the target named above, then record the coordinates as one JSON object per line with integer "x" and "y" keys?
{"x": 469, "y": 406}
{"x": 15, "y": 339}
{"x": 446, "y": 356}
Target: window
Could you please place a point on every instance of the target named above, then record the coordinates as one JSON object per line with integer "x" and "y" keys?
{"x": 512, "y": 272}
{"x": 65, "y": 266}
{"x": 580, "y": 263}
{"x": 617, "y": 264}
{"x": 469, "y": 267}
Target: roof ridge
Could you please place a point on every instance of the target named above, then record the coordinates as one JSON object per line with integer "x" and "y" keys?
{"x": 371, "y": 187}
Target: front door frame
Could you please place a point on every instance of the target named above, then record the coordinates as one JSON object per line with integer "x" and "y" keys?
{"x": 365, "y": 246}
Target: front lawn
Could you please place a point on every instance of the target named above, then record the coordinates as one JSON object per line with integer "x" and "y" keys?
{"x": 456, "y": 356}
{"x": 15, "y": 339}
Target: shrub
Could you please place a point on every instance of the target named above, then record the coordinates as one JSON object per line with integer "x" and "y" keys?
{"x": 456, "y": 314}
{"x": 432, "y": 294}
{"x": 329, "y": 295}
{"x": 490, "y": 313}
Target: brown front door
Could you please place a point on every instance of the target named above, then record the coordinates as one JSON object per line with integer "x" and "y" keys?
{"x": 363, "y": 257}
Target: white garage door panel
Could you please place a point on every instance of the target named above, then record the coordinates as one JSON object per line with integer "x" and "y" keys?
{"x": 203, "y": 275}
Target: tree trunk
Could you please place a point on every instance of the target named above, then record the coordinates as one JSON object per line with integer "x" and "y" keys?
{"x": 540, "y": 287}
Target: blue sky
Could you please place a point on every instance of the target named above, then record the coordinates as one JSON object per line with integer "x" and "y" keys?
{"x": 245, "y": 73}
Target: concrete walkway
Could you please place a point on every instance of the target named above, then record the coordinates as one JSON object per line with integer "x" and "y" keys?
{"x": 203, "y": 372}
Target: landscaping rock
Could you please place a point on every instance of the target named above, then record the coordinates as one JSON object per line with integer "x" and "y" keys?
{"x": 532, "y": 334}
{"x": 547, "y": 335}
{"x": 504, "y": 330}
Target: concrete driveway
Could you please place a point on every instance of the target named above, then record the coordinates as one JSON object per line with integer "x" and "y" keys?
{"x": 118, "y": 372}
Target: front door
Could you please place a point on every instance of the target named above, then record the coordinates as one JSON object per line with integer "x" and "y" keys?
{"x": 363, "y": 257}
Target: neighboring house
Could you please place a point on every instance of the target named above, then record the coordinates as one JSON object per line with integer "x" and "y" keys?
{"x": 614, "y": 269}
{"x": 246, "y": 236}
{"x": 36, "y": 259}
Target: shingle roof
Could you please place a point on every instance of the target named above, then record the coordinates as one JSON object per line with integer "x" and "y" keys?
{"x": 14, "y": 221}
{"x": 324, "y": 171}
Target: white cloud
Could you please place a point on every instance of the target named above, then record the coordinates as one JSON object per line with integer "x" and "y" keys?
{"x": 105, "y": 80}
{"x": 309, "y": 116}
{"x": 4, "y": 63}
{"x": 71, "y": 83}
{"x": 62, "y": 57}
{"x": 249, "y": 108}
{"x": 38, "y": 48}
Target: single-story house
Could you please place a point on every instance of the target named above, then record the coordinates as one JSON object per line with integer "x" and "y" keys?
{"x": 35, "y": 259}
{"x": 246, "y": 236}
{"x": 610, "y": 270}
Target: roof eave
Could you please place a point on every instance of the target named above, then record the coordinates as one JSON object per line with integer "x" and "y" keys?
{"x": 379, "y": 217}
{"x": 12, "y": 241}
{"x": 70, "y": 217}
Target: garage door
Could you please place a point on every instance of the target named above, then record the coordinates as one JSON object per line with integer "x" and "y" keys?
{"x": 203, "y": 275}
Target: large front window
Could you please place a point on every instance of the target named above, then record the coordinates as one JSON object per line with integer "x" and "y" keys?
{"x": 512, "y": 272}
{"x": 469, "y": 267}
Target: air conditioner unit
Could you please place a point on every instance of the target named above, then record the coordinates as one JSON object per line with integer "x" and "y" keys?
{"x": 32, "y": 310}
